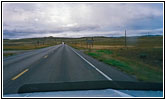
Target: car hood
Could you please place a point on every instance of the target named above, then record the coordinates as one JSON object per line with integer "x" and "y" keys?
{"x": 90, "y": 89}
{"x": 92, "y": 93}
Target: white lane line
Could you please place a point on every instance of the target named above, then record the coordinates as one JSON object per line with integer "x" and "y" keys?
{"x": 121, "y": 93}
{"x": 93, "y": 66}
{"x": 45, "y": 56}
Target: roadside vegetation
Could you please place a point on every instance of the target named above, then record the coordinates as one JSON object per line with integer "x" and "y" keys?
{"x": 28, "y": 44}
{"x": 142, "y": 57}
{"x": 8, "y": 54}
{"x": 17, "y": 46}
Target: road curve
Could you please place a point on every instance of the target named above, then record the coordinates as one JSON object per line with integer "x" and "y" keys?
{"x": 60, "y": 63}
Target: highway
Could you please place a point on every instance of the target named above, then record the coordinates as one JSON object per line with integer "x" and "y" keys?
{"x": 60, "y": 63}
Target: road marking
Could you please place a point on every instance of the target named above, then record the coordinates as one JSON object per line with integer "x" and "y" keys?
{"x": 122, "y": 94}
{"x": 14, "y": 78}
{"x": 46, "y": 56}
{"x": 93, "y": 66}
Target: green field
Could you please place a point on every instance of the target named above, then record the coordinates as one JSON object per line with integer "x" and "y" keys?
{"x": 28, "y": 44}
{"x": 8, "y": 54}
{"x": 142, "y": 57}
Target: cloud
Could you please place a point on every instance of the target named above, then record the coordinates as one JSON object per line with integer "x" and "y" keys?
{"x": 59, "y": 19}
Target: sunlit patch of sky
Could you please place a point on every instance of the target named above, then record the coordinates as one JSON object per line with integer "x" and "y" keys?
{"x": 24, "y": 20}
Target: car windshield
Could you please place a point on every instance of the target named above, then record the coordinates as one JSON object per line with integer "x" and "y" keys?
{"x": 63, "y": 46}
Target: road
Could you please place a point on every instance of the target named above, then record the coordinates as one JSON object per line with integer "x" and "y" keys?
{"x": 60, "y": 63}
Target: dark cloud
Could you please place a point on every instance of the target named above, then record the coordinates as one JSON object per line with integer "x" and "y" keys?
{"x": 59, "y": 19}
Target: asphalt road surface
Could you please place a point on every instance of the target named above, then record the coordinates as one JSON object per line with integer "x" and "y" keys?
{"x": 60, "y": 63}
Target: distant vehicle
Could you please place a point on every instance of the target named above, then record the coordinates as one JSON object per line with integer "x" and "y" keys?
{"x": 63, "y": 42}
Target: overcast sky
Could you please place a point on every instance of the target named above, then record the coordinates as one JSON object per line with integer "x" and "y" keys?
{"x": 25, "y": 20}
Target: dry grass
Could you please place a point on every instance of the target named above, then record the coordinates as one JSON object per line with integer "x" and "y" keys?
{"x": 103, "y": 46}
{"x": 143, "y": 56}
{"x": 142, "y": 59}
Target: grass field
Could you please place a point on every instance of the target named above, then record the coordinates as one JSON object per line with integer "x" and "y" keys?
{"x": 8, "y": 54}
{"x": 28, "y": 44}
{"x": 142, "y": 58}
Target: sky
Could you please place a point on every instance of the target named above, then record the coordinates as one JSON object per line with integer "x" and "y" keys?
{"x": 27, "y": 20}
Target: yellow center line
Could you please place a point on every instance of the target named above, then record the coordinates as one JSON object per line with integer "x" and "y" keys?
{"x": 46, "y": 56}
{"x": 14, "y": 78}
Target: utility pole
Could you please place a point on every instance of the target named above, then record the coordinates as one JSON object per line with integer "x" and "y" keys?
{"x": 38, "y": 42}
{"x": 125, "y": 38}
{"x": 92, "y": 42}
{"x": 86, "y": 42}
